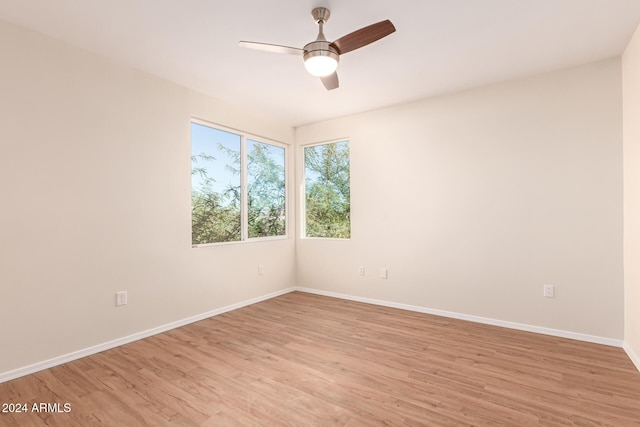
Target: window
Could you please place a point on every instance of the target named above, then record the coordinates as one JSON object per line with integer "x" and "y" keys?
{"x": 265, "y": 189}
{"x": 327, "y": 190}
{"x": 238, "y": 188}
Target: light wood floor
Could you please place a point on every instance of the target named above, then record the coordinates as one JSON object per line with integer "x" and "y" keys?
{"x": 307, "y": 360}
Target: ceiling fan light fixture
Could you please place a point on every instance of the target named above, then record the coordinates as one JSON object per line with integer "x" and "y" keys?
{"x": 320, "y": 59}
{"x": 321, "y": 66}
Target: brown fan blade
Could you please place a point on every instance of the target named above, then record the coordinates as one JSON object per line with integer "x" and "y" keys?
{"x": 272, "y": 48}
{"x": 363, "y": 36}
{"x": 330, "y": 81}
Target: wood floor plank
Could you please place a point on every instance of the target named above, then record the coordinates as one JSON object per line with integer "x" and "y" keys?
{"x": 307, "y": 360}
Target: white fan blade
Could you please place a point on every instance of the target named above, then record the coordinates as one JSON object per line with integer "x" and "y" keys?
{"x": 272, "y": 48}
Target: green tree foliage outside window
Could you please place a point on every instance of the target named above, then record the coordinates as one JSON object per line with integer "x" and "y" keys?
{"x": 217, "y": 199}
{"x": 266, "y": 199}
{"x": 215, "y": 185}
{"x": 327, "y": 188}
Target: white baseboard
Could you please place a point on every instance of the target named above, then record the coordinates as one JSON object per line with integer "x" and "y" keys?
{"x": 30, "y": 369}
{"x": 632, "y": 355}
{"x": 512, "y": 325}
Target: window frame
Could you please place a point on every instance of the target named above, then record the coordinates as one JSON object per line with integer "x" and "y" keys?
{"x": 244, "y": 198}
{"x": 303, "y": 190}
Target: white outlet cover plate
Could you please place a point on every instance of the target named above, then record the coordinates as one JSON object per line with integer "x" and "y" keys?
{"x": 549, "y": 291}
{"x": 121, "y": 298}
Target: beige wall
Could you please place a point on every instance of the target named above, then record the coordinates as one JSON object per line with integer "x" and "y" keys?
{"x": 475, "y": 200}
{"x": 631, "y": 106}
{"x": 95, "y": 198}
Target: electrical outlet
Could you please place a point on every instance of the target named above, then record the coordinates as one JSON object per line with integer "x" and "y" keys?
{"x": 361, "y": 271}
{"x": 121, "y": 298}
{"x": 260, "y": 270}
{"x": 549, "y": 291}
{"x": 384, "y": 273}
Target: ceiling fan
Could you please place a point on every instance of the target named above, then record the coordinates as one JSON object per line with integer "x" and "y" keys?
{"x": 321, "y": 56}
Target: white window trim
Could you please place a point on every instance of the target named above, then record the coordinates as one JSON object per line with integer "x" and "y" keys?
{"x": 244, "y": 214}
{"x": 303, "y": 190}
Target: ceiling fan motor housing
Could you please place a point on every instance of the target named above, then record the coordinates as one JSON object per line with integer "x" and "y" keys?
{"x": 320, "y": 48}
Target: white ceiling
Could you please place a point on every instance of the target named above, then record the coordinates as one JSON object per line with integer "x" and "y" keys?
{"x": 439, "y": 46}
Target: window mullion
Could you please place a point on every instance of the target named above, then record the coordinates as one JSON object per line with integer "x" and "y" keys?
{"x": 244, "y": 207}
{"x": 302, "y": 191}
